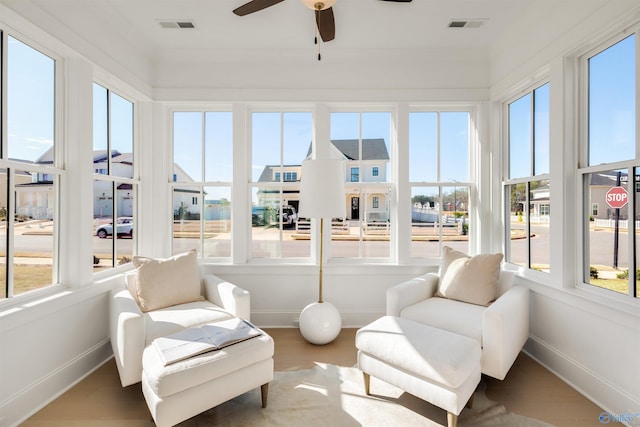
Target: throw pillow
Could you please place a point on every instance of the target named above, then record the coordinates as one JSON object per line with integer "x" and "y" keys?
{"x": 469, "y": 279}
{"x": 165, "y": 282}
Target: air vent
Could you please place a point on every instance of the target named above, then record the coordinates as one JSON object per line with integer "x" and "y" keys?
{"x": 467, "y": 23}
{"x": 177, "y": 24}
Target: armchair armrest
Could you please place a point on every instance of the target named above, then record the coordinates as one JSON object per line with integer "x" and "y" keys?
{"x": 127, "y": 334}
{"x": 505, "y": 329}
{"x": 411, "y": 292}
{"x": 228, "y": 296}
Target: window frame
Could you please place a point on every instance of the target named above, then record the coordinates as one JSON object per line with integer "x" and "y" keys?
{"x": 396, "y": 181}
{"x": 355, "y": 174}
{"x": 198, "y": 186}
{"x": 282, "y": 185}
{"x": 365, "y": 188}
{"x": 116, "y": 180}
{"x": 583, "y": 169}
{"x": 507, "y": 182}
{"x": 56, "y": 170}
{"x": 448, "y": 185}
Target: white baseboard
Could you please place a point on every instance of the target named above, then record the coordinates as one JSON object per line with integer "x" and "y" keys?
{"x": 30, "y": 400}
{"x": 607, "y": 396}
{"x": 280, "y": 319}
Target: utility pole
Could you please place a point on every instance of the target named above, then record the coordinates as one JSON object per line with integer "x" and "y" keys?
{"x": 616, "y": 231}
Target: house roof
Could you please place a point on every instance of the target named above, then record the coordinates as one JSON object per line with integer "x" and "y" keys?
{"x": 372, "y": 149}
{"x": 606, "y": 179}
{"x": 267, "y": 172}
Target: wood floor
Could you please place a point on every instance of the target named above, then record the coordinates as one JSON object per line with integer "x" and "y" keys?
{"x": 528, "y": 390}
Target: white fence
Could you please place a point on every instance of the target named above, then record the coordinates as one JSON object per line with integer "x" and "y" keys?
{"x": 611, "y": 223}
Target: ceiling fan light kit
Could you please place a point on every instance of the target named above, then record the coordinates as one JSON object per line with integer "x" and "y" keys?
{"x": 318, "y": 5}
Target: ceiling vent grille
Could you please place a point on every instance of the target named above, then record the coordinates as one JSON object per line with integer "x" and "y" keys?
{"x": 467, "y": 23}
{"x": 177, "y": 24}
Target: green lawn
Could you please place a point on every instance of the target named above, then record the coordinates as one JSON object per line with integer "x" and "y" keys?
{"x": 29, "y": 277}
{"x": 618, "y": 285}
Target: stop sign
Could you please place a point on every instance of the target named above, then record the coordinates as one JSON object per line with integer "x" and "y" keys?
{"x": 617, "y": 197}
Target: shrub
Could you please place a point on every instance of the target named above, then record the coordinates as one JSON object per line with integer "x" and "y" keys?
{"x": 593, "y": 272}
{"x": 625, "y": 274}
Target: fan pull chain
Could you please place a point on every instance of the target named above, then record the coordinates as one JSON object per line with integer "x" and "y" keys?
{"x": 316, "y": 42}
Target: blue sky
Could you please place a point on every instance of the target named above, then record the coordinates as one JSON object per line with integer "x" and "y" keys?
{"x": 30, "y": 111}
{"x": 612, "y": 104}
{"x": 529, "y": 141}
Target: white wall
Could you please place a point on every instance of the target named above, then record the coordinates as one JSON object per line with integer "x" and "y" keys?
{"x": 48, "y": 345}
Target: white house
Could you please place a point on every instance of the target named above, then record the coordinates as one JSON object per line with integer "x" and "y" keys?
{"x": 371, "y": 168}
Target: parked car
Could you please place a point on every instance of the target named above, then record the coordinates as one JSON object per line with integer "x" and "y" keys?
{"x": 270, "y": 216}
{"x": 289, "y": 216}
{"x": 260, "y": 216}
{"x": 124, "y": 227}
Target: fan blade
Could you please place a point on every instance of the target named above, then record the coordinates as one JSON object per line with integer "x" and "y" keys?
{"x": 399, "y": 1}
{"x": 255, "y": 6}
{"x": 326, "y": 24}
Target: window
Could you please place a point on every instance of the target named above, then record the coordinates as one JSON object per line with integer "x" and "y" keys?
{"x": 362, "y": 138}
{"x": 527, "y": 188}
{"x": 280, "y": 141}
{"x": 439, "y": 179}
{"x": 374, "y": 171}
{"x": 201, "y": 182}
{"x": 376, "y": 202}
{"x": 355, "y": 174}
{"x": 287, "y": 176}
{"x": 609, "y": 168}
{"x": 28, "y": 192}
{"x": 115, "y": 185}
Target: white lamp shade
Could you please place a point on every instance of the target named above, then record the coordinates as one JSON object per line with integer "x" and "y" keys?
{"x": 322, "y": 193}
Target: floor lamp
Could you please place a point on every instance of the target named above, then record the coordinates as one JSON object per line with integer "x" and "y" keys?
{"x": 321, "y": 196}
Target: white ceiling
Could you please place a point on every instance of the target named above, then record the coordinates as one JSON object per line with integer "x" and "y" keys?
{"x": 360, "y": 24}
{"x": 379, "y": 44}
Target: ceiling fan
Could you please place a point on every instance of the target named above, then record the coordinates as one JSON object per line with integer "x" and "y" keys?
{"x": 323, "y": 10}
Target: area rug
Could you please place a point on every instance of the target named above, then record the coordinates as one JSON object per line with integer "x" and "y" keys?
{"x": 329, "y": 395}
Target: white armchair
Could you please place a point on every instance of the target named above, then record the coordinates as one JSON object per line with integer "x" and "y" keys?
{"x": 132, "y": 330}
{"x": 501, "y": 328}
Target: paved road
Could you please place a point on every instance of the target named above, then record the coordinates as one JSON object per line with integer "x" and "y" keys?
{"x": 265, "y": 245}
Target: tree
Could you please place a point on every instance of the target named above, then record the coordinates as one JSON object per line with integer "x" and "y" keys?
{"x": 422, "y": 199}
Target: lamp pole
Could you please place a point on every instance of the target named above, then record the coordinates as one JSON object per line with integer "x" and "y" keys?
{"x": 321, "y": 239}
{"x": 455, "y": 195}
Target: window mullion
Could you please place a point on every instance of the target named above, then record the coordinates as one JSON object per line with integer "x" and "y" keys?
{"x": 631, "y": 230}
{"x": 203, "y": 163}
{"x": 11, "y": 204}
{"x": 108, "y": 153}
{"x": 532, "y": 136}
{"x": 114, "y": 221}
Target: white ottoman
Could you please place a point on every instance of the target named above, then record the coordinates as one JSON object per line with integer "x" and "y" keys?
{"x": 435, "y": 365}
{"x": 184, "y": 389}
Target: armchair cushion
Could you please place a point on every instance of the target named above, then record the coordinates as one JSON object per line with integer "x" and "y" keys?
{"x": 166, "y": 282}
{"x": 448, "y": 314}
{"x": 469, "y": 279}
